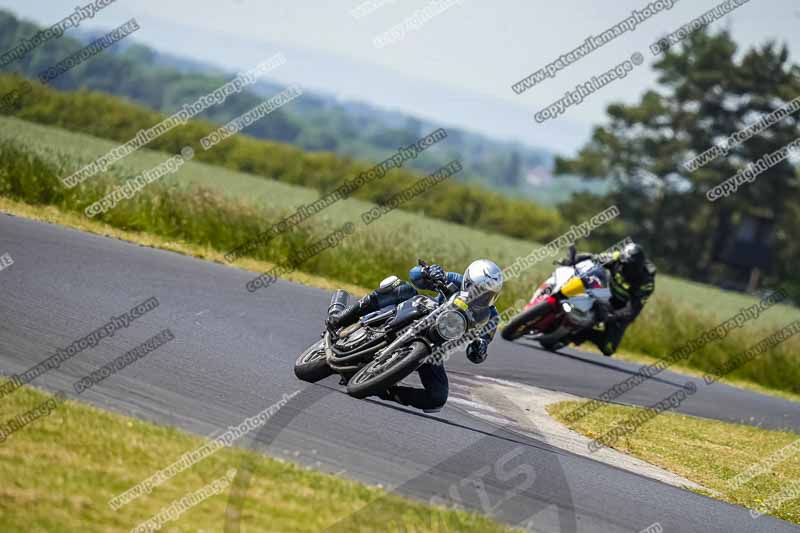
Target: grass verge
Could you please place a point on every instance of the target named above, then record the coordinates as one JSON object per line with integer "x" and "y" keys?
{"x": 61, "y": 470}
{"x": 53, "y": 215}
{"x": 708, "y": 452}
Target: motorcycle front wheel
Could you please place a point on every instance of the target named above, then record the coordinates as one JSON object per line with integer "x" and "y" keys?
{"x": 523, "y": 322}
{"x": 386, "y": 370}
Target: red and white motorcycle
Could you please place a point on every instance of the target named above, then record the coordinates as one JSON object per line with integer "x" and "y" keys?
{"x": 565, "y": 305}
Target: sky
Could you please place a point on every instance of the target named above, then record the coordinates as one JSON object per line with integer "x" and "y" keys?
{"x": 456, "y": 68}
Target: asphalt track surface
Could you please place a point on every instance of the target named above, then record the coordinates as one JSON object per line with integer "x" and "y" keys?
{"x": 233, "y": 355}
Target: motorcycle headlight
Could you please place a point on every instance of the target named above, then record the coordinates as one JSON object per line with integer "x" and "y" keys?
{"x": 451, "y": 325}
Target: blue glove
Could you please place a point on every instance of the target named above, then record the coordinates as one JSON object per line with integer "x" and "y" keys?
{"x": 476, "y": 351}
{"x": 435, "y": 273}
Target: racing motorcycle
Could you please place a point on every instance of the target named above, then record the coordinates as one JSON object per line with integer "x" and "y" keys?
{"x": 565, "y": 305}
{"x": 387, "y": 345}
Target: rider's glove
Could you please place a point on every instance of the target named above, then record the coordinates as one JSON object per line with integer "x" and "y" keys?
{"x": 435, "y": 273}
{"x": 580, "y": 257}
{"x": 476, "y": 351}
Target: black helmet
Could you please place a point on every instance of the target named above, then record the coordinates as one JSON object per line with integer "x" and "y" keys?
{"x": 633, "y": 260}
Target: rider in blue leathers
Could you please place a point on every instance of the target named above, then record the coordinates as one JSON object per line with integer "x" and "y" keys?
{"x": 482, "y": 278}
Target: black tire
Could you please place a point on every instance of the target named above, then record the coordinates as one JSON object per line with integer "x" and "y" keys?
{"x": 521, "y": 324}
{"x": 364, "y": 383}
{"x": 311, "y": 366}
{"x": 552, "y": 346}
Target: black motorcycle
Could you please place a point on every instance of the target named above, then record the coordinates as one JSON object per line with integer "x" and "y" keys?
{"x": 385, "y": 346}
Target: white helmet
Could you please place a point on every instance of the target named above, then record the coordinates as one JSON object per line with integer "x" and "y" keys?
{"x": 483, "y": 280}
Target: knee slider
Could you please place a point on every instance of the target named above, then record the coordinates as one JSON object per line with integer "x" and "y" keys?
{"x": 439, "y": 398}
{"x": 388, "y": 284}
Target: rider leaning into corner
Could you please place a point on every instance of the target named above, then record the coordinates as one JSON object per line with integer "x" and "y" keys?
{"x": 632, "y": 281}
{"x": 483, "y": 279}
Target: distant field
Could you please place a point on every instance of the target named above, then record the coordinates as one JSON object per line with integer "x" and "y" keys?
{"x": 413, "y": 236}
{"x": 423, "y": 237}
{"x": 245, "y": 204}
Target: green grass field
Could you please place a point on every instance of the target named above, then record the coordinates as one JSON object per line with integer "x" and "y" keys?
{"x": 233, "y": 206}
{"x": 60, "y": 471}
{"x": 708, "y": 452}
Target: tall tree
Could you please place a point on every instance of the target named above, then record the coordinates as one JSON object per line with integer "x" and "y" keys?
{"x": 707, "y": 91}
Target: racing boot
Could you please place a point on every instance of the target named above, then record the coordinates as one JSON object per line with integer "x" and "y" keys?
{"x": 350, "y": 314}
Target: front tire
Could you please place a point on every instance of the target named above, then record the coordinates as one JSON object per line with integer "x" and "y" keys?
{"x": 521, "y": 324}
{"x": 312, "y": 366}
{"x": 383, "y": 372}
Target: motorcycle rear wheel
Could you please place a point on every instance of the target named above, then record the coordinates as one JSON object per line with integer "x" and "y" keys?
{"x": 312, "y": 366}
{"x": 552, "y": 346}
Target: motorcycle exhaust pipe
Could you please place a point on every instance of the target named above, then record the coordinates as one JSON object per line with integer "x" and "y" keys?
{"x": 338, "y": 302}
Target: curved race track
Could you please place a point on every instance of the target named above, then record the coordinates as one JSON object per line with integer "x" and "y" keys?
{"x": 232, "y": 357}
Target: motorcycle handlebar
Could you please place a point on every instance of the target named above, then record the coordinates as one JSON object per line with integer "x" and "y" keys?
{"x": 444, "y": 287}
